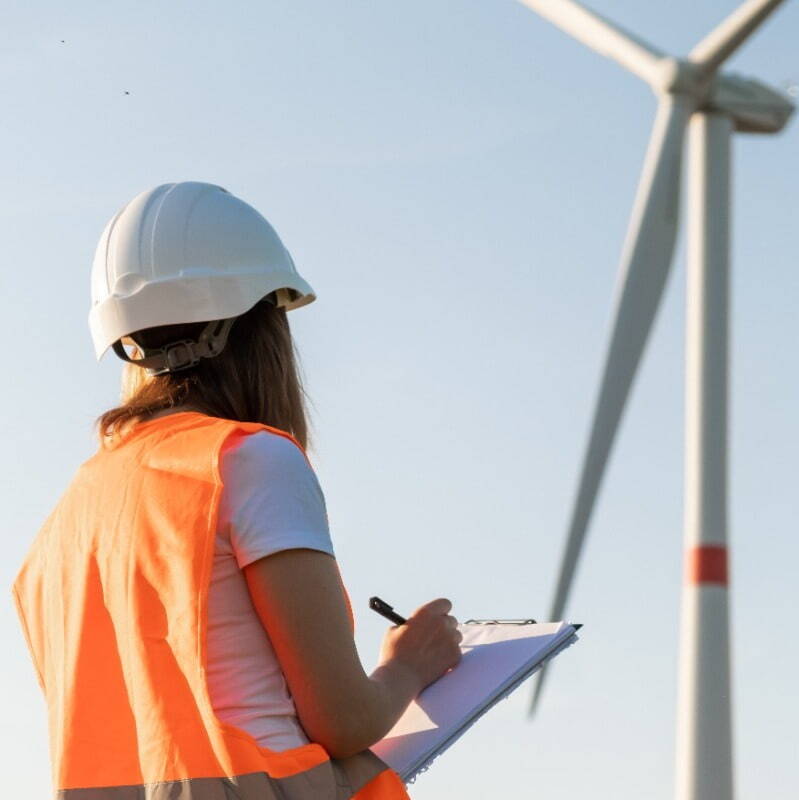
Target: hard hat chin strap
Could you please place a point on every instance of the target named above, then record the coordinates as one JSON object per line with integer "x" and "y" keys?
{"x": 183, "y": 354}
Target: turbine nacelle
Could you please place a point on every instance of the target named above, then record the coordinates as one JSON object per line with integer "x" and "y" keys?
{"x": 753, "y": 106}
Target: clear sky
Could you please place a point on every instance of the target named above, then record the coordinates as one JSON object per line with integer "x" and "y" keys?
{"x": 454, "y": 179}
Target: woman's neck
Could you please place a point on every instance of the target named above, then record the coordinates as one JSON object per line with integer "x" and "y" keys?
{"x": 165, "y": 412}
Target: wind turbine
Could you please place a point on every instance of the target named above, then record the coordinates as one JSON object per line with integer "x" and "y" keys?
{"x": 693, "y": 95}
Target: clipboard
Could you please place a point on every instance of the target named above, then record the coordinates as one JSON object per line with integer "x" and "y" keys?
{"x": 498, "y": 656}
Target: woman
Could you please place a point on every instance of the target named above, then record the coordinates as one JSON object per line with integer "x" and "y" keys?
{"x": 182, "y": 603}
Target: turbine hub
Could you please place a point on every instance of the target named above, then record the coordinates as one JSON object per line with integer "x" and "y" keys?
{"x": 679, "y": 76}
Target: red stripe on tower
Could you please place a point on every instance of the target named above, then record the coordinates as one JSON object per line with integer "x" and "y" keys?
{"x": 707, "y": 564}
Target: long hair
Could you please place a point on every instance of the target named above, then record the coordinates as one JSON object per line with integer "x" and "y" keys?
{"x": 256, "y": 378}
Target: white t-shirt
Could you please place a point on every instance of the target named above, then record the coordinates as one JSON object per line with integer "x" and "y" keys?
{"x": 271, "y": 501}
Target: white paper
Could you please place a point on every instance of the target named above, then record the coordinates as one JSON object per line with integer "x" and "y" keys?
{"x": 496, "y": 659}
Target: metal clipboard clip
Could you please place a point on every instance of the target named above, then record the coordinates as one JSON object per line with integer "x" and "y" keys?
{"x": 500, "y": 622}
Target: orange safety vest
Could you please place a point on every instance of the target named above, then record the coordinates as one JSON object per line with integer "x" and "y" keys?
{"x": 113, "y": 602}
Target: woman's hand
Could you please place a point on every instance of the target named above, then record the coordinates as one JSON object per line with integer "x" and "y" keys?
{"x": 426, "y": 645}
{"x": 300, "y": 600}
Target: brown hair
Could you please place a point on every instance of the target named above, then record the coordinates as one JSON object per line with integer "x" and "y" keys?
{"x": 256, "y": 378}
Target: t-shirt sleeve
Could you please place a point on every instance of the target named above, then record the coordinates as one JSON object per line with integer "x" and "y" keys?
{"x": 272, "y": 499}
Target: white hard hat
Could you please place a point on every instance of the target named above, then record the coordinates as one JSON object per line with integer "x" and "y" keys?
{"x": 186, "y": 252}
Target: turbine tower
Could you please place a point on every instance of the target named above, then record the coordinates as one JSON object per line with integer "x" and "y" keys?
{"x": 695, "y": 96}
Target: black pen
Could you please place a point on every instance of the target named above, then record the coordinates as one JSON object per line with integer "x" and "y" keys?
{"x": 385, "y": 610}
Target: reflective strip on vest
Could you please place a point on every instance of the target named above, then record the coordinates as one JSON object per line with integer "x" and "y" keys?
{"x": 351, "y": 779}
{"x": 112, "y": 597}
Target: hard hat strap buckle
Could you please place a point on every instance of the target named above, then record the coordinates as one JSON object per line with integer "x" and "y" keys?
{"x": 178, "y": 356}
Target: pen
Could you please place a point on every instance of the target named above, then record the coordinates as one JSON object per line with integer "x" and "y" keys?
{"x": 385, "y": 610}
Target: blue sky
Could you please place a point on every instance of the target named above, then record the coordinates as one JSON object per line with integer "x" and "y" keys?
{"x": 454, "y": 179}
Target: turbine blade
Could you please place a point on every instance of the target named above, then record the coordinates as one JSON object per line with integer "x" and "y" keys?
{"x": 727, "y": 37}
{"x": 600, "y": 35}
{"x": 539, "y": 687}
{"x": 645, "y": 264}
